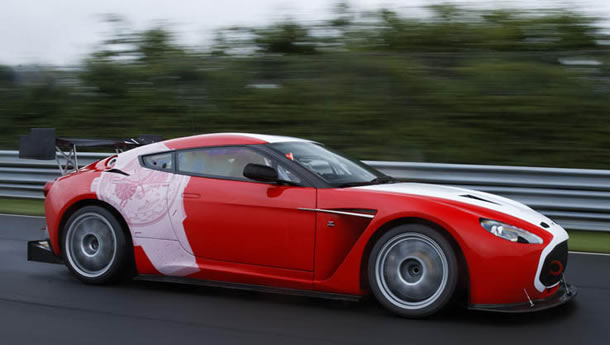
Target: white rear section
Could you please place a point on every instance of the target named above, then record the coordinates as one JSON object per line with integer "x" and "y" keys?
{"x": 149, "y": 200}
{"x": 486, "y": 200}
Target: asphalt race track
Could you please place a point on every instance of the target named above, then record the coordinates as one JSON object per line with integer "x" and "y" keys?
{"x": 43, "y": 304}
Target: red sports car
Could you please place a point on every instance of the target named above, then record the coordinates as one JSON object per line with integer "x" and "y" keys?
{"x": 289, "y": 215}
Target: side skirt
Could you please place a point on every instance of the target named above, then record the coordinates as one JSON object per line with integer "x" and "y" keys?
{"x": 248, "y": 287}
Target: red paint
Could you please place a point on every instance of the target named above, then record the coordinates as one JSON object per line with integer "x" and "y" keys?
{"x": 333, "y": 243}
{"x": 248, "y": 222}
{"x": 47, "y": 188}
{"x": 252, "y": 274}
{"x": 143, "y": 264}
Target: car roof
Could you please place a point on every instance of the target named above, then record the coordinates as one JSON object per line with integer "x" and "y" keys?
{"x": 221, "y": 139}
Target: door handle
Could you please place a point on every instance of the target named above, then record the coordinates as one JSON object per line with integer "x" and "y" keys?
{"x": 191, "y": 195}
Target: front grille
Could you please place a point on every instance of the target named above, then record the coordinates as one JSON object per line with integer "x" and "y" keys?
{"x": 554, "y": 265}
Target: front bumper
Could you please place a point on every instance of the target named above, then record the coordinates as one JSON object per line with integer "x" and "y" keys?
{"x": 565, "y": 293}
{"x": 41, "y": 251}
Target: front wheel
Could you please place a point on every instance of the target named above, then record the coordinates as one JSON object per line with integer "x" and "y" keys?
{"x": 95, "y": 246}
{"x": 413, "y": 270}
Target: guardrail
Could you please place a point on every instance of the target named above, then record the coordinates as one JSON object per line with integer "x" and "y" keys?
{"x": 25, "y": 178}
{"x": 578, "y": 199}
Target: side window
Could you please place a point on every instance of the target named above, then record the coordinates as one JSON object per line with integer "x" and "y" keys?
{"x": 159, "y": 161}
{"x": 226, "y": 161}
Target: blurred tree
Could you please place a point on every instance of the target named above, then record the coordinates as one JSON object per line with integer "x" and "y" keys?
{"x": 7, "y": 75}
{"x": 154, "y": 45}
{"x": 285, "y": 38}
{"x": 343, "y": 15}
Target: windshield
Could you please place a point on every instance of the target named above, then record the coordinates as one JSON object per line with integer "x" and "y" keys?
{"x": 332, "y": 167}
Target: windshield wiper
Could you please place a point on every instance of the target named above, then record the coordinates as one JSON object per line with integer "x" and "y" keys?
{"x": 383, "y": 179}
{"x": 377, "y": 180}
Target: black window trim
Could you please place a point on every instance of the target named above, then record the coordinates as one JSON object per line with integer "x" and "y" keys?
{"x": 172, "y": 152}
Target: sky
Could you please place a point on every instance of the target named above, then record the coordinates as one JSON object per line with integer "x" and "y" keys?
{"x": 62, "y": 32}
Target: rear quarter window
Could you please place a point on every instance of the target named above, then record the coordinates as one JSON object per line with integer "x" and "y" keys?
{"x": 159, "y": 161}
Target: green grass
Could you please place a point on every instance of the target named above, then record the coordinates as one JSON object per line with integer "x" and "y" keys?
{"x": 589, "y": 241}
{"x": 585, "y": 241}
{"x": 30, "y": 207}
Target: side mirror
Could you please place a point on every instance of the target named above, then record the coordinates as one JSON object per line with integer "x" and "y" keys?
{"x": 259, "y": 172}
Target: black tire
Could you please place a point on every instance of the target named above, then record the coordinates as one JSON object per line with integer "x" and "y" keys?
{"x": 413, "y": 270}
{"x": 95, "y": 247}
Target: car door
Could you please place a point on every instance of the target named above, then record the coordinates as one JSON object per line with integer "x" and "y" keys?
{"x": 232, "y": 218}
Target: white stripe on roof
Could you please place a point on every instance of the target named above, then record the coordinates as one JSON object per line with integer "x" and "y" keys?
{"x": 269, "y": 138}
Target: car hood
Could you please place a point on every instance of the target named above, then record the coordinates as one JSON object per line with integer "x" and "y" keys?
{"x": 466, "y": 196}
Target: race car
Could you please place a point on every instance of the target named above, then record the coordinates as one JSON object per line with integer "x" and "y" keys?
{"x": 288, "y": 215}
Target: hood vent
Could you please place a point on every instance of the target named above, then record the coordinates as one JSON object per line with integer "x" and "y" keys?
{"x": 470, "y": 196}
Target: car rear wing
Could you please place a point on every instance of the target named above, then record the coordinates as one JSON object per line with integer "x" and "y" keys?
{"x": 42, "y": 144}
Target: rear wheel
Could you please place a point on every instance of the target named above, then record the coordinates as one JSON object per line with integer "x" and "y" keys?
{"x": 95, "y": 246}
{"x": 413, "y": 270}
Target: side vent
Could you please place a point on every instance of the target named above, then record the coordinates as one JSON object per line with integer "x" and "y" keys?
{"x": 470, "y": 196}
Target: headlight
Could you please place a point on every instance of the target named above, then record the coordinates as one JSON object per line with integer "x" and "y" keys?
{"x": 509, "y": 232}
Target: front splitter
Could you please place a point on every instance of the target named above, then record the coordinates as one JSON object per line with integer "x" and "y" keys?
{"x": 564, "y": 294}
